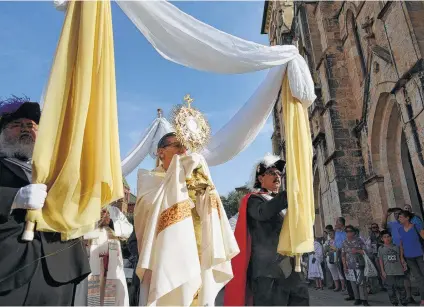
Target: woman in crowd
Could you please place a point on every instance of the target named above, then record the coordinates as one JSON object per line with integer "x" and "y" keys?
{"x": 411, "y": 242}
{"x": 331, "y": 257}
{"x": 354, "y": 265}
{"x": 324, "y": 241}
{"x": 373, "y": 243}
{"x": 315, "y": 269}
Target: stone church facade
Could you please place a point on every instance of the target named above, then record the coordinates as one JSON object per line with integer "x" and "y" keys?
{"x": 367, "y": 124}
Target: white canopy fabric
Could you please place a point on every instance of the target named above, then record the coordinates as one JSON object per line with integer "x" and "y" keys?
{"x": 147, "y": 145}
{"x": 235, "y": 136}
{"x": 246, "y": 124}
{"x": 185, "y": 40}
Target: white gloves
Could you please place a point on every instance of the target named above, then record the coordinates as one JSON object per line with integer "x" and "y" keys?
{"x": 31, "y": 196}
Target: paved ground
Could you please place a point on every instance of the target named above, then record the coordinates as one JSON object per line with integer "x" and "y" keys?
{"x": 330, "y": 298}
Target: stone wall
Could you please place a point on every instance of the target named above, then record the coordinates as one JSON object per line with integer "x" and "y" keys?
{"x": 367, "y": 125}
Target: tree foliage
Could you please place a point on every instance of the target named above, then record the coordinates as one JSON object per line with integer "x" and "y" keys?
{"x": 231, "y": 203}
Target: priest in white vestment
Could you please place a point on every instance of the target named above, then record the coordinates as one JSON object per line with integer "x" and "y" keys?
{"x": 185, "y": 241}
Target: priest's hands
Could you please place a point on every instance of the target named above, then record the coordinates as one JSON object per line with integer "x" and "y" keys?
{"x": 31, "y": 196}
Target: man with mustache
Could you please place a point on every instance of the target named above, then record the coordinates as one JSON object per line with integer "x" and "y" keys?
{"x": 260, "y": 274}
{"x": 44, "y": 271}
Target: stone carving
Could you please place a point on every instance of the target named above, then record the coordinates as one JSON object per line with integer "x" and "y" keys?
{"x": 377, "y": 50}
{"x": 376, "y": 67}
{"x": 367, "y": 26}
{"x": 382, "y": 53}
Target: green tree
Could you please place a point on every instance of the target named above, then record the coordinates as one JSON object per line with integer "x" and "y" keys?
{"x": 231, "y": 203}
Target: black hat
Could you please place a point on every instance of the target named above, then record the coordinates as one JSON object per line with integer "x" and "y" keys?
{"x": 269, "y": 161}
{"x": 15, "y": 108}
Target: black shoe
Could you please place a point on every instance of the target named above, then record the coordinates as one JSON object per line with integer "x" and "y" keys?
{"x": 395, "y": 304}
{"x": 365, "y": 303}
{"x": 349, "y": 298}
{"x": 357, "y": 303}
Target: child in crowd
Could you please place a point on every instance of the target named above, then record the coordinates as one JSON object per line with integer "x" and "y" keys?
{"x": 392, "y": 269}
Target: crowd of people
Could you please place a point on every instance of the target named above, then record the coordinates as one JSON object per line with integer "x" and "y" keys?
{"x": 389, "y": 258}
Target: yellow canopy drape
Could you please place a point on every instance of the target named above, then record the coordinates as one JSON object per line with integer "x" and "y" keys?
{"x": 297, "y": 235}
{"x": 77, "y": 151}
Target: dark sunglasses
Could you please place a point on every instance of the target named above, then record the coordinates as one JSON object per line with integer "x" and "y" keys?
{"x": 273, "y": 173}
{"x": 174, "y": 144}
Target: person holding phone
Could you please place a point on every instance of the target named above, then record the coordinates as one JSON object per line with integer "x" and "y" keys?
{"x": 392, "y": 226}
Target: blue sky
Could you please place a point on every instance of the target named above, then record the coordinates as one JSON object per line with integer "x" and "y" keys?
{"x": 29, "y": 32}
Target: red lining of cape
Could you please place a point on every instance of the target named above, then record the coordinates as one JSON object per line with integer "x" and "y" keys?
{"x": 236, "y": 291}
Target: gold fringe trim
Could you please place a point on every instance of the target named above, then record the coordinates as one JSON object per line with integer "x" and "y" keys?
{"x": 195, "y": 301}
{"x": 173, "y": 215}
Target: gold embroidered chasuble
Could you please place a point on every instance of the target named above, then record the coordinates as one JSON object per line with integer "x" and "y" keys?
{"x": 185, "y": 242}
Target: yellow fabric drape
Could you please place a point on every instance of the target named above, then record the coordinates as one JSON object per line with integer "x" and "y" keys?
{"x": 297, "y": 234}
{"x": 77, "y": 151}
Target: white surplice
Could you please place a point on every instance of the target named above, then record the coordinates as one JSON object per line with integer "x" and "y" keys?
{"x": 169, "y": 265}
{"x": 106, "y": 242}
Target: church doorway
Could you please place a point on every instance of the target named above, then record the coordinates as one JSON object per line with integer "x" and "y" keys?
{"x": 391, "y": 158}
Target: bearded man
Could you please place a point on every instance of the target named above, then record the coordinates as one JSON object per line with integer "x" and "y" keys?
{"x": 261, "y": 276}
{"x": 44, "y": 271}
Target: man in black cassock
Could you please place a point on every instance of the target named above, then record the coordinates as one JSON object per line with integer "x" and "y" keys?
{"x": 44, "y": 271}
{"x": 266, "y": 278}
{"x": 134, "y": 289}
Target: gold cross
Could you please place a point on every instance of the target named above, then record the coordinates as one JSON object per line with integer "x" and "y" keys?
{"x": 188, "y": 99}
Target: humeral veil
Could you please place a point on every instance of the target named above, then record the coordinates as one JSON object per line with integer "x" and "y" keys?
{"x": 185, "y": 241}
